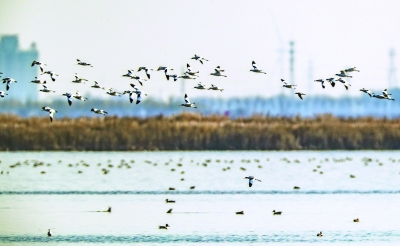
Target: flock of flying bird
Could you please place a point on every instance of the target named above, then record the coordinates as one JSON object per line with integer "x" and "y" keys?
{"x": 189, "y": 74}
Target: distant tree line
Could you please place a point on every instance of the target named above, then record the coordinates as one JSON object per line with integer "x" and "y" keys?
{"x": 196, "y": 132}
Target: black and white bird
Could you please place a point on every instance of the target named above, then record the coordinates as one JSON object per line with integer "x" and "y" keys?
{"x": 320, "y": 81}
{"x": 300, "y": 95}
{"x": 8, "y": 82}
{"x": 83, "y": 63}
{"x": 164, "y": 227}
{"x": 200, "y": 86}
{"x": 40, "y": 64}
{"x": 111, "y": 92}
{"x": 352, "y": 69}
{"x": 198, "y": 58}
{"x": 331, "y": 81}
{"x": 78, "y": 79}
{"x": 99, "y": 111}
{"x": 367, "y": 91}
{"x": 129, "y": 74}
{"x": 38, "y": 81}
{"x": 343, "y": 74}
{"x": 45, "y": 89}
{"x": 49, "y": 233}
{"x": 251, "y": 178}
{"x": 69, "y": 97}
{"x": 167, "y": 75}
{"x": 164, "y": 68}
{"x": 3, "y": 94}
{"x": 190, "y": 72}
{"x": 146, "y": 69}
{"x": 79, "y": 97}
{"x": 186, "y": 76}
{"x": 139, "y": 79}
{"x": 387, "y": 95}
{"x": 218, "y": 73}
{"x": 276, "y": 212}
{"x": 138, "y": 95}
{"x": 51, "y": 112}
{"x": 344, "y": 82}
{"x": 255, "y": 68}
{"x": 51, "y": 75}
{"x": 286, "y": 85}
{"x": 97, "y": 85}
{"x": 215, "y": 88}
{"x": 187, "y": 103}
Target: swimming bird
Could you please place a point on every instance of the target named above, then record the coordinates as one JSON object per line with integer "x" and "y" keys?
{"x": 83, "y": 63}
{"x": 320, "y": 81}
{"x": 78, "y": 79}
{"x": 40, "y": 64}
{"x": 69, "y": 97}
{"x": 345, "y": 83}
{"x": 331, "y": 81}
{"x": 146, "y": 70}
{"x": 99, "y": 111}
{"x": 343, "y": 74}
{"x": 45, "y": 89}
{"x": 367, "y": 91}
{"x": 187, "y": 103}
{"x": 111, "y": 92}
{"x": 51, "y": 75}
{"x": 169, "y": 211}
{"x": 169, "y": 201}
{"x": 215, "y": 88}
{"x": 356, "y": 220}
{"x": 51, "y": 112}
{"x": 190, "y": 72}
{"x": 276, "y": 212}
{"x": 8, "y": 82}
{"x": 3, "y": 94}
{"x": 251, "y": 178}
{"x": 200, "y": 86}
{"x": 319, "y": 234}
{"x": 240, "y": 212}
{"x": 97, "y": 85}
{"x": 49, "y": 233}
{"x": 164, "y": 227}
{"x": 218, "y": 73}
{"x": 255, "y": 68}
{"x": 198, "y": 58}
{"x": 352, "y": 69}
{"x": 79, "y": 97}
{"x": 300, "y": 95}
{"x": 38, "y": 81}
{"x": 286, "y": 85}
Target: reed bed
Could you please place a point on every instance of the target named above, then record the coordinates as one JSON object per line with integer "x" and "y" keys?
{"x": 196, "y": 132}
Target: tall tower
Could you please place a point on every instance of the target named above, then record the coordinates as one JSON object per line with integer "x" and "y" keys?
{"x": 291, "y": 62}
{"x": 16, "y": 63}
{"x": 392, "y": 80}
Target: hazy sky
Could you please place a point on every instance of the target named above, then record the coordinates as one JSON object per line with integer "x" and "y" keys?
{"x": 118, "y": 35}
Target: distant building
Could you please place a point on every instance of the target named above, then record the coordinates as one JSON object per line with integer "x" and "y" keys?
{"x": 16, "y": 63}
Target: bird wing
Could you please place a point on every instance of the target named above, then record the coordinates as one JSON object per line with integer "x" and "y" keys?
{"x": 250, "y": 182}
{"x": 139, "y": 97}
{"x": 187, "y": 99}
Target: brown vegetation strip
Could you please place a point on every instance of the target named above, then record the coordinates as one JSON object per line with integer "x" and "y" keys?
{"x": 196, "y": 132}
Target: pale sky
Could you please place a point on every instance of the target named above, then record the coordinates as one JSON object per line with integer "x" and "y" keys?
{"x": 118, "y": 35}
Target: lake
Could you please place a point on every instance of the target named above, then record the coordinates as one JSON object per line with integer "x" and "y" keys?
{"x": 64, "y": 192}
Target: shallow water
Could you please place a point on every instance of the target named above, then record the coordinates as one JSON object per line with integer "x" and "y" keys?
{"x": 66, "y": 201}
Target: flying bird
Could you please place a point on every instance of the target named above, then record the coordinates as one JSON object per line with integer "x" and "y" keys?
{"x": 83, "y": 63}
{"x": 251, "y": 178}
{"x": 146, "y": 70}
{"x": 3, "y": 94}
{"x": 300, "y": 95}
{"x": 367, "y": 91}
{"x": 79, "y": 97}
{"x": 345, "y": 83}
{"x": 40, "y": 64}
{"x": 45, "y": 89}
{"x": 198, "y": 58}
{"x": 187, "y": 103}
{"x": 200, "y": 86}
{"x": 99, "y": 111}
{"x": 343, "y": 74}
{"x": 97, "y": 85}
{"x": 51, "y": 112}
{"x": 255, "y": 68}
{"x": 320, "y": 81}
{"x": 215, "y": 88}
{"x": 69, "y": 97}
{"x": 38, "y": 81}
